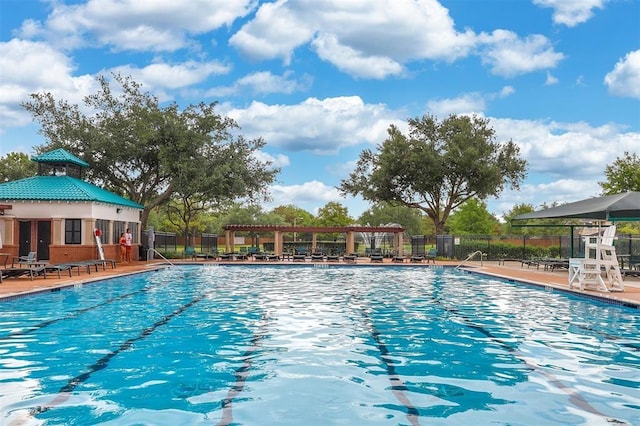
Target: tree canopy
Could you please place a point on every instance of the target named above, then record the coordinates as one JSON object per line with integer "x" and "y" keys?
{"x": 148, "y": 152}
{"x": 436, "y": 167}
{"x": 385, "y": 213}
{"x": 16, "y": 165}
{"x": 473, "y": 218}
{"x": 623, "y": 175}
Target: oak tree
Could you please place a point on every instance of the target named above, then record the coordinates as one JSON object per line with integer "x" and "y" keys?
{"x": 436, "y": 167}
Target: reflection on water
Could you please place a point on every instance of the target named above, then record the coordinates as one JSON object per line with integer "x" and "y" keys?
{"x": 336, "y": 345}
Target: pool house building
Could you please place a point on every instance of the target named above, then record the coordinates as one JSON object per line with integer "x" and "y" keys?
{"x": 60, "y": 216}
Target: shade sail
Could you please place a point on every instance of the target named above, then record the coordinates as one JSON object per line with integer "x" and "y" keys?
{"x": 614, "y": 208}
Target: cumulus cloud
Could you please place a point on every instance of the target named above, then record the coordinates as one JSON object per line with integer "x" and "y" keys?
{"x": 263, "y": 83}
{"x": 624, "y": 80}
{"x": 277, "y": 161}
{"x": 567, "y": 150}
{"x": 465, "y": 104}
{"x": 320, "y": 126}
{"x": 133, "y": 24}
{"x": 361, "y": 38}
{"x": 172, "y": 76}
{"x": 34, "y": 67}
{"x": 508, "y": 55}
{"x": 571, "y": 13}
{"x": 309, "y": 195}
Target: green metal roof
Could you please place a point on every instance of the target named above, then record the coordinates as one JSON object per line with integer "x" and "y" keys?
{"x": 60, "y": 188}
{"x": 59, "y": 156}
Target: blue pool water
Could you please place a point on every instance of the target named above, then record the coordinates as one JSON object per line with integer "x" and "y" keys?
{"x": 268, "y": 345}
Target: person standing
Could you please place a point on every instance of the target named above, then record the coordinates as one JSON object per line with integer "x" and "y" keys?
{"x": 128, "y": 244}
{"x": 123, "y": 247}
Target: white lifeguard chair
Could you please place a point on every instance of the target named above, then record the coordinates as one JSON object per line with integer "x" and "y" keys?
{"x": 599, "y": 268}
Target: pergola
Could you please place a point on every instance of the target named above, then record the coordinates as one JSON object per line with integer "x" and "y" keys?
{"x": 280, "y": 230}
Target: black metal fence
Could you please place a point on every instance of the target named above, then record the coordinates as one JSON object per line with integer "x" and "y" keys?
{"x": 515, "y": 247}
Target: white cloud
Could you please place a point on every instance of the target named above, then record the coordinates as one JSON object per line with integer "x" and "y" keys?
{"x": 156, "y": 25}
{"x": 567, "y": 150}
{"x": 170, "y": 76}
{"x": 508, "y": 55}
{"x": 321, "y": 126}
{"x": 277, "y": 161}
{"x": 263, "y": 83}
{"x": 363, "y": 38}
{"x": 466, "y": 104}
{"x": 571, "y": 12}
{"x": 551, "y": 80}
{"x": 34, "y": 67}
{"x": 624, "y": 80}
{"x": 309, "y": 195}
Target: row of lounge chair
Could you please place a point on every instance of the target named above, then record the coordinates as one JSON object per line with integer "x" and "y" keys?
{"x": 35, "y": 269}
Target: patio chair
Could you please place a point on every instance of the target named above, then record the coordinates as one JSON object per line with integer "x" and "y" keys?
{"x": 27, "y": 260}
{"x": 189, "y": 252}
{"x": 431, "y": 255}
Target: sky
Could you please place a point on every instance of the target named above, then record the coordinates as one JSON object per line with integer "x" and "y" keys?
{"x": 322, "y": 80}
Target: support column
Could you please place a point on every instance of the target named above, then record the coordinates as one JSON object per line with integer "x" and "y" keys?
{"x": 89, "y": 236}
{"x": 56, "y": 231}
{"x": 350, "y": 242}
{"x": 399, "y": 243}
{"x": 229, "y": 241}
{"x": 314, "y": 244}
{"x": 277, "y": 243}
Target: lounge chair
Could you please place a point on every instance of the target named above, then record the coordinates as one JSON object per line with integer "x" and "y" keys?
{"x": 431, "y": 255}
{"x": 227, "y": 256}
{"x": 266, "y": 257}
{"x": 350, "y": 258}
{"x": 376, "y": 258}
{"x": 398, "y": 259}
{"x": 189, "y": 252}
{"x": 20, "y": 272}
{"x": 317, "y": 257}
{"x": 4, "y": 259}
{"x": 417, "y": 259}
{"x": 29, "y": 259}
{"x": 333, "y": 258}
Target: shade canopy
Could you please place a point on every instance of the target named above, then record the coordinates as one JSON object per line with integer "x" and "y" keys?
{"x": 613, "y": 208}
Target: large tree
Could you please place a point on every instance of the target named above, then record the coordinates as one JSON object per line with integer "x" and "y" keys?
{"x": 473, "y": 218}
{"x": 383, "y": 213}
{"x": 148, "y": 152}
{"x": 623, "y": 175}
{"x": 437, "y": 167}
{"x": 16, "y": 165}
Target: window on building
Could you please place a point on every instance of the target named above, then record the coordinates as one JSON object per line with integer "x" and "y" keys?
{"x": 103, "y": 226}
{"x": 133, "y": 227}
{"x": 73, "y": 231}
{"x": 118, "y": 228}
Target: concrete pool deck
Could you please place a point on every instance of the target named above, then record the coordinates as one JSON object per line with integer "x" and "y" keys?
{"x": 557, "y": 279}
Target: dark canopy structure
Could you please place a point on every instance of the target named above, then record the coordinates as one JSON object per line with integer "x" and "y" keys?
{"x": 613, "y": 208}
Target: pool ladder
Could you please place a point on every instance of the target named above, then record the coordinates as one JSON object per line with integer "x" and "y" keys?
{"x": 470, "y": 257}
{"x": 151, "y": 251}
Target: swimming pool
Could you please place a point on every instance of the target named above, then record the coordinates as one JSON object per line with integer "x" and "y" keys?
{"x": 265, "y": 345}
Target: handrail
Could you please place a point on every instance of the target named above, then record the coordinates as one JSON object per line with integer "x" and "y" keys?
{"x": 152, "y": 250}
{"x": 469, "y": 258}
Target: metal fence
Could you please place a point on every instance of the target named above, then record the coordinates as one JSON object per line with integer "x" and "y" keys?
{"x": 515, "y": 247}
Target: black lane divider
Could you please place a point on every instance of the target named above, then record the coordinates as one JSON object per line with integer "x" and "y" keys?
{"x": 76, "y": 313}
{"x": 242, "y": 373}
{"x": 574, "y": 396}
{"x": 398, "y": 387}
{"x": 64, "y": 392}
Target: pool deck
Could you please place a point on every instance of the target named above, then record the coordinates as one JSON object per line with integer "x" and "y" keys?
{"x": 18, "y": 287}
